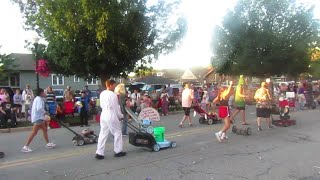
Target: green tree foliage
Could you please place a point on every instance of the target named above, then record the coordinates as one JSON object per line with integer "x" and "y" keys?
{"x": 94, "y": 38}
{"x": 315, "y": 63}
{"x": 6, "y": 64}
{"x": 265, "y": 37}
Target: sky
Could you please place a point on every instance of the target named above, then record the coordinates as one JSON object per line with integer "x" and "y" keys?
{"x": 202, "y": 16}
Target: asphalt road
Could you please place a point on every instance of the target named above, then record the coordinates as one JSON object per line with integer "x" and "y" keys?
{"x": 289, "y": 153}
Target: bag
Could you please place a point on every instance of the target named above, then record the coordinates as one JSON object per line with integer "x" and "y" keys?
{"x": 54, "y": 124}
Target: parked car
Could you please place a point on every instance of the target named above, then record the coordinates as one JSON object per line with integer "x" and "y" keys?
{"x": 59, "y": 94}
{"x": 148, "y": 88}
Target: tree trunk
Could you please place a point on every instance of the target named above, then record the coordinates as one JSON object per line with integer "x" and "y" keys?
{"x": 103, "y": 79}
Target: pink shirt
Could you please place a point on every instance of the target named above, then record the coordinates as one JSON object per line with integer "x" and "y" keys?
{"x": 187, "y": 97}
{"x": 3, "y": 98}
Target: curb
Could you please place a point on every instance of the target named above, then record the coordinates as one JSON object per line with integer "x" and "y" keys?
{"x": 28, "y": 128}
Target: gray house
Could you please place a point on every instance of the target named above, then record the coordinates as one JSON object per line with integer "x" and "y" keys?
{"x": 25, "y": 74}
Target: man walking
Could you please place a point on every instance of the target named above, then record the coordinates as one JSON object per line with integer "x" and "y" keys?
{"x": 110, "y": 121}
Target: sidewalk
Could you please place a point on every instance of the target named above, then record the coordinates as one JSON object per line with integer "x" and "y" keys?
{"x": 28, "y": 128}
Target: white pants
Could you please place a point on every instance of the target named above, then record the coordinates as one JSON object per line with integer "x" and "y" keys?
{"x": 113, "y": 127}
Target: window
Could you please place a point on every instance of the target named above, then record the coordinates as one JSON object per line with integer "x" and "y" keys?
{"x": 76, "y": 79}
{"x": 14, "y": 80}
{"x": 92, "y": 81}
{"x": 57, "y": 80}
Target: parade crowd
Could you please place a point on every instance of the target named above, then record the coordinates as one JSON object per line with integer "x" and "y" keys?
{"x": 226, "y": 101}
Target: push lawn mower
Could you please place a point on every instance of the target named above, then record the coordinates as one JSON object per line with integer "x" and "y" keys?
{"x": 242, "y": 131}
{"x": 143, "y": 139}
{"x": 86, "y": 137}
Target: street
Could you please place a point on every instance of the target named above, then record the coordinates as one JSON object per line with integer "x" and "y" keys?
{"x": 282, "y": 153}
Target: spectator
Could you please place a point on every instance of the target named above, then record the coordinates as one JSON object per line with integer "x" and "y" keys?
{"x": 154, "y": 98}
{"x": 68, "y": 95}
{"x": 3, "y": 95}
{"x": 87, "y": 91}
{"x": 301, "y": 96}
{"x": 17, "y": 101}
{"x": 164, "y": 102}
{"x": 136, "y": 100}
{"x": 84, "y": 110}
{"x": 27, "y": 96}
{"x": 50, "y": 101}
{"x": 7, "y": 111}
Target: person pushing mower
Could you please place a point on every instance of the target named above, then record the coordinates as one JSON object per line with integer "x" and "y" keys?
{"x": 224, "y": 112}
{"x": 240, "y": 102}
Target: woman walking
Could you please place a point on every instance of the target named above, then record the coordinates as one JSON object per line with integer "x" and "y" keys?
{"x": 263, "y": 105}
{"x": 187, "y": 98}
{"x": 223, "y": 100}
{"x": 38, "y": 115}
{"x": 121, "y": 93}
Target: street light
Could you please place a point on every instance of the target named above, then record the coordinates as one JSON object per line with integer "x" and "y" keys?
{"x": 36, "y": 40}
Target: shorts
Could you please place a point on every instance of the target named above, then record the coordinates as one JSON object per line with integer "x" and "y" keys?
{"x": 241, "y": 108}
{"x": 224, "y": 111}
{"x": 186, "y": 111}
{"x": 263, "y": 112}
{"x": 38, "y": 122}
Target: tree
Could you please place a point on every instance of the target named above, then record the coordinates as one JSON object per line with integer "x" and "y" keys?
{"x": 265, "y": 37}
{"x": 6, "y": 64}
{"x": 315, "y": 63}
{"x": 93, "y": 38}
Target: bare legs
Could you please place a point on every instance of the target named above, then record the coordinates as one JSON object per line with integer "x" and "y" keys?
{"x": 227, "y": 124}
{"x": 35, "y": 130}
{"x": 243, "y": 116}
{"x": 259, "y": 122}
{"x": 185, "y": 117}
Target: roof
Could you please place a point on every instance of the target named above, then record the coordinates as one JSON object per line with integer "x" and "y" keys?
{"x": 188, "y": 75}
{"x": 24, "y": 62}
{"x": 155, "y": 80}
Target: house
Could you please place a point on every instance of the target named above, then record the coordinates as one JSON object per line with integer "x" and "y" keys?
{"x": 24, "y": 73}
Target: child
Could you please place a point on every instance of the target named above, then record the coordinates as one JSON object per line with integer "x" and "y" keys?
{"x": 84, "y": 109}
{"x": 17, "y": 101}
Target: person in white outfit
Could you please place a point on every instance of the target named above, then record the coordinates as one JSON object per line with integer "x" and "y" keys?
{"x": 110, "y": 121}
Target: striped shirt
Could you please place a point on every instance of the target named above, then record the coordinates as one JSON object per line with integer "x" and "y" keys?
{"x": 50, "y": 97}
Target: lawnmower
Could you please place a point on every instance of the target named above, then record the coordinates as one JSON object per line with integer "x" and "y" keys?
{"x": 87, "y": 136}
{"x": 144, "y": 139}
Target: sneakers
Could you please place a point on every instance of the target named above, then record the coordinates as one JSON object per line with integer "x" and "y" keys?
{"x": 26, "y": 149}
{"x": 218, "y": 135}
{"x": 120, "y": 154}
{"x": 51, "y": 145}
{"x": 271, "y": 126}
{"x": 180, "y": 125}
{"x": 259, "y": 129}
{"x": 99, "y": 157}
{"x": 223, "y": 136}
